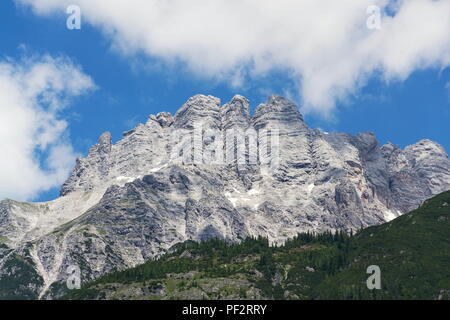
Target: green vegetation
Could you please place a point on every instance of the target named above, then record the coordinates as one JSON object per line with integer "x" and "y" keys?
{"x": 18, "y": 280}
{"x": 3, "y": 240}
{"x": 413, "y": 252}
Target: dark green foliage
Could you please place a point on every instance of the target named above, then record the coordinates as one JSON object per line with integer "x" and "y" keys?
{"x": 413, "y": 252}
{"x": 19, "y": 279}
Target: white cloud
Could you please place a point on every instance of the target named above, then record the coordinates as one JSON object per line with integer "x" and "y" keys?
{"x": 324, "y": 44}
{"x": 36, "y": 153}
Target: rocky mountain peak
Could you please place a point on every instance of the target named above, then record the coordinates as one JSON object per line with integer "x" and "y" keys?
{"x": 104, "y": 144}
{"x": 199, "y": 109}
{"x": 128, "y": 202}
{"x": 164, "y": 119}
{"x": 280, "y": 111}
{"x": 236, "y": 113}
{"x": 390, "y": 147}
{"x": 207, "y": 110}
{"x": 366, "y": 142}
{"x": 427, "y": 148}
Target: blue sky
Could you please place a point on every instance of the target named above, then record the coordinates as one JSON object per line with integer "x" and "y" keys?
{"x": 129, "y": 89}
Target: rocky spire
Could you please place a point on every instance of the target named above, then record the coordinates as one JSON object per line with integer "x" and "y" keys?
{"x": 199, "y": 109}
{"x": 104, "y": 144}
{"x": 279, "y": 111}
{"x": 426, "y": 148}
{"x": 236, "y": 113}
{"x": 164, "y": 119}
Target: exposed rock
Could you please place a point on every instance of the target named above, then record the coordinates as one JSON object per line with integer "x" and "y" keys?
{"x": 164, "y": 119}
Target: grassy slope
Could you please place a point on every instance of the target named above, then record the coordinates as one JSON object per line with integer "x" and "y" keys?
{"x": 413, "y": 252}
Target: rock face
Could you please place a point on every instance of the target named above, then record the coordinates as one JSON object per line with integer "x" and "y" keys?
{"x": 130, "y": 201}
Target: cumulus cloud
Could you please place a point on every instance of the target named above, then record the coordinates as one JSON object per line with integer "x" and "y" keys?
{"x": 324, "y": 45}
{"x": 36, "y": 152}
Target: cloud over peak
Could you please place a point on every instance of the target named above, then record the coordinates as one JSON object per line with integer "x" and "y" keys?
{"x": 325, "y": 45}
{"x": 33, "y": 135}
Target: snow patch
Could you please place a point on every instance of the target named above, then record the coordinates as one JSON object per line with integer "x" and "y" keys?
{"x": 124, "y": 180}
{"x": 159, "y": 168}
{"x": 252, "y": 192}
{"x": 232, "y": 199}
{"x": 389, "y": 215}
{"x": 243, "y": 200}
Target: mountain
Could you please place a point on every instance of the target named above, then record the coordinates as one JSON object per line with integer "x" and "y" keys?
{"x": 412, "y": 252}
{"x": 163, "y": 183}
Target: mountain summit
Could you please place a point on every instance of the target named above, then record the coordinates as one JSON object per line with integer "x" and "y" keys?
{"x": 130, "y": 201}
